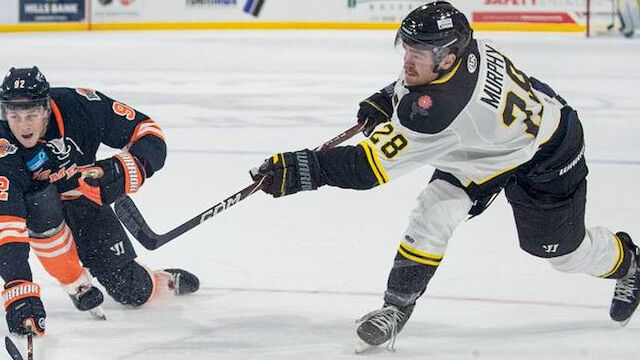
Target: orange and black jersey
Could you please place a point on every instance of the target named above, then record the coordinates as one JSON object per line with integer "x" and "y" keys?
{"x": 81, "y": 120}
{"x": 14, "y": 183}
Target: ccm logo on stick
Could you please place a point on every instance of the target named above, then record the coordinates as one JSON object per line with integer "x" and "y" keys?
{"x": 222, "y": 206}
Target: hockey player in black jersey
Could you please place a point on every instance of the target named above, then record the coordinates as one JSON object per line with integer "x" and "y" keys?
{"x": 463, "y": 107}
{"x": 55, "y": 197}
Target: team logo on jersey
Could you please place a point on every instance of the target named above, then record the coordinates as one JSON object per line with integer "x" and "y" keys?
{"x": 61, "y": 149}
{"x": 472, "y": 63}
{"x": 425, "y": 102}
{"x": 37, "y": 161}
{"x": 418, "y": 110}
{"x": 90, "y": 94}
{"x": 7, "y": 148}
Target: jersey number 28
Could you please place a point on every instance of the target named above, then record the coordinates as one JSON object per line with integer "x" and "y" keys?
{"x": 394, "y": 142}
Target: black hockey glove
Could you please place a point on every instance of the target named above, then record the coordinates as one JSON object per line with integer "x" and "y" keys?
{"x": 25, "y": 312}
{"x": 289, "y": 172}
{"x": 112, "y": 178}
{"x": 376, "y": 109}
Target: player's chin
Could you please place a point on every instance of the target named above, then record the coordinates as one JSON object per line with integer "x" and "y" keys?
{"x": 28, "y": 140}
{"x": 412, "y": 80}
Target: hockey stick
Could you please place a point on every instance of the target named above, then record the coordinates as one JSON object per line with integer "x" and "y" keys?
{"x": 13, "y": 351}
{"x": 30, "y": 346}
{"x": 132, "y": 219}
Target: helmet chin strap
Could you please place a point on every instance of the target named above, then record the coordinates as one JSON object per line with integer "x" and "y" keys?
{"x": 437, "y": 60}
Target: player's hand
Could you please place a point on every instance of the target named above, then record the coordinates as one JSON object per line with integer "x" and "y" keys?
{"x": 289, "y": 172}
{"x": 374, "y": 110}
{"x": 25, "y": 312}
{"x": 112, "y": 178}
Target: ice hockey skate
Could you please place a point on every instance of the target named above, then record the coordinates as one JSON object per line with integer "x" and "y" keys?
{"x": 627, "y": 291}
{"x": 85, "y": 296}
{"x": 381, "y": 326}
{"x": 89, "y": 298}
{"x": 177, "y": 281}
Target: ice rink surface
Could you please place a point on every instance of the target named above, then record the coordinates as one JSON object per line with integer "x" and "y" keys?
{"x": 285, "y": 279}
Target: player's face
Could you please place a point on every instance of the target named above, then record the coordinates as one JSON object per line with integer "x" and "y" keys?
{"x": 418, "y": 66}
{"x": 28, "y": 125}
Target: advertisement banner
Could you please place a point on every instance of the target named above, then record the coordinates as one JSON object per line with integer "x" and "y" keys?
{"x": 536, "y": 15}
{"x": 116, "y": 10}
{"x": 52, "y": 10}
{"x": 382, "y": 10}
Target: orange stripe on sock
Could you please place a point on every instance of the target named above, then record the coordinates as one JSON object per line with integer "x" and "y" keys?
{"x": 65, "y": 266}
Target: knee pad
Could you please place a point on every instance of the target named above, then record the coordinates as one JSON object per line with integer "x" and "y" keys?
{"x": 439, "y": 209}
{"x": 130, "y": 284}
{"x": 50, "y": 238}
{"x": 599, "y": 254}
{"x": 44, "y": 211}
{"x": 574, "y": 261}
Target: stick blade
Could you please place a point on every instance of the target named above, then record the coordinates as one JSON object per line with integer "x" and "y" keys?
{"x": 130, "y": 216}
{"x": 12, "y": 349}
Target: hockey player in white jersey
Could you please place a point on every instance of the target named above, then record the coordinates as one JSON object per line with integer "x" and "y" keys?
{"x": 462, "y": 106}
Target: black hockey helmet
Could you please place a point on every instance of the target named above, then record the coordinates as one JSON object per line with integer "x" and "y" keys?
{"x": 23, "y": 88}
{"x": 438, "y": 27}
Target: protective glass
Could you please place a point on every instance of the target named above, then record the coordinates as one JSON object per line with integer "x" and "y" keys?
{"x": 21, "y": 108}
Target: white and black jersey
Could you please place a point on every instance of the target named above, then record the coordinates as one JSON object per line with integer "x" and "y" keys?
{"x": 481, "y": 119}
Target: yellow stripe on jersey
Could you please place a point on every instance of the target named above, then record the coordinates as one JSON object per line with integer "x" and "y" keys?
{"x": 284, "y": 175}
{"x": 620, "y": 257}
{"x": 275, "y": 158}
{"x": 378, "y": 108}
{"x": 376, "y": 159}
{"x": 448, "y": 76}
{"x": 367, "y": 152}
{"x": 374, "y": 164}
{"x": 419, "y": 256}
{"x": 491, "y": 177}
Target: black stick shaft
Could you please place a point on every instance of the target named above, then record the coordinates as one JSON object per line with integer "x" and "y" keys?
{"x": 12, "y": 349}
{"x": 133, "y": 220}
{"x": 29, "y": 346}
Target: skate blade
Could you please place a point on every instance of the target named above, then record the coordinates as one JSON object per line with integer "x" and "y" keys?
{"x": 362, "y": 348}
{"x": 97, "y": 313}
{"x": 623, "y": 323}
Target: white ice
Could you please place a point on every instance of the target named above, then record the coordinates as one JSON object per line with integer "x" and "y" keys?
{"x": 286, "y": 279}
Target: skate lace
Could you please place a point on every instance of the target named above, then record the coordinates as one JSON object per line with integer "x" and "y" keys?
{"x": 82, "y": 289}
{"x": 625, "y": 288}
{"x": 386, "y": 319}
